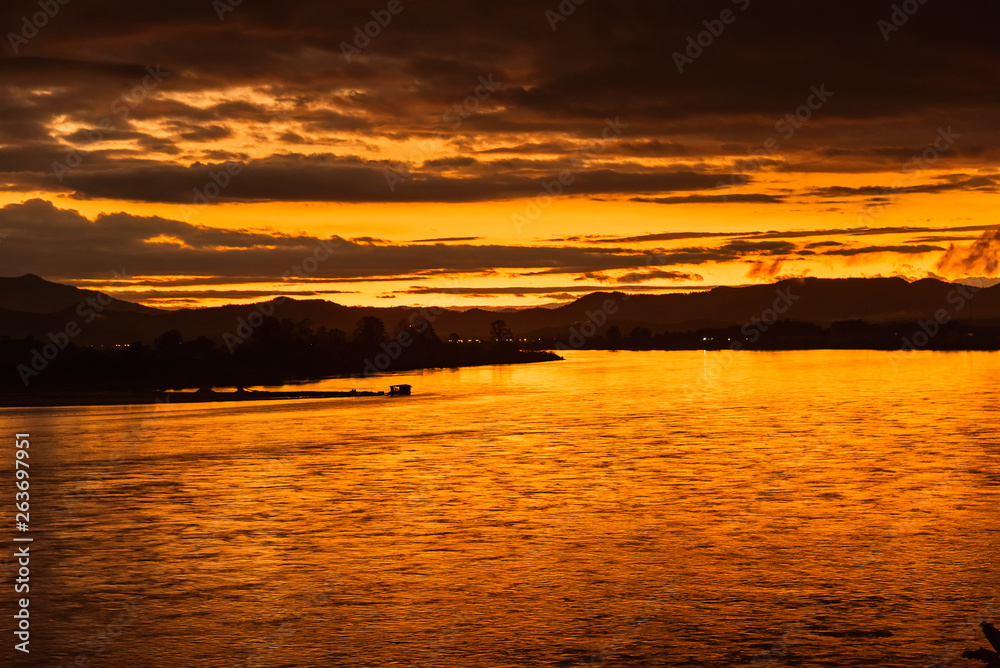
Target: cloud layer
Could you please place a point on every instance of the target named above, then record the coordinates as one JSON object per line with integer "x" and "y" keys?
{"x": 787, "y": 110}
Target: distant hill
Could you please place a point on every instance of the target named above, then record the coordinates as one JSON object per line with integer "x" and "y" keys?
{"x": 30, "y": 305}
{"x": 813, "y": 300}
{"x": 33, "y": 294}
{"x": 819, "y": 301}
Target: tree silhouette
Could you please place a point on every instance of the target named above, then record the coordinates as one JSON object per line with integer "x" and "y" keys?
{"x": 614, "y": 336}
{"x": 640, "y": 334}
{"x": 370, "y": 330}
{"x": 168, "y": 341}
{"x": 421, "y": 329}
{"x": 499, "y": 331}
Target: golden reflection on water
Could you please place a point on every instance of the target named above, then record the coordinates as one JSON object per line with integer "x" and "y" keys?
{"x": 803, "y": 508}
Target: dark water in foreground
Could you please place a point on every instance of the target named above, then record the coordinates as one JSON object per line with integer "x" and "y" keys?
{"x": 635, "y": 509}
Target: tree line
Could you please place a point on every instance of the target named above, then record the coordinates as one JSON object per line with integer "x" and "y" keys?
{"x": 276, "y": 352}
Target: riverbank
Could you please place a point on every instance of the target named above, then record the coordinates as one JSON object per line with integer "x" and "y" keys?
{"x": 105, "y": 397}
{"x": 53, "y": 399}
{"x": 189, "y": 366}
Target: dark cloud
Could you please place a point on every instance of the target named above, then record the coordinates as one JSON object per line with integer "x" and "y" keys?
{"x": 446, "y": 240}
{"x": 328, "y": 177}
{"x": 643, "y": 276}
{"x": 264, "y": 107}
{"x": 279, "y": 69}
{"x": 940, "y": 239}
{"x": 207, "y": 133}
{"x": 512, "y": 290}
{"x": 710, "y": 199}
{"x": 984, "y": 183}
{"x": 451, "y": 162}
{"x": 151, "y": 296}
{"x": 745, "y": 247}
{"x": 549, "y": 292}
{"x": 981, "y": 256}
{"x": 903, "y": 250}
{"x": 656, "y": 148}
{"x": 776, "y": 234}
{"x": 765, "y": 269}
{"x": 167, "y": 281}
{"x": 533, "y": 148}
{"x": 43, "y": 239}
{"x": 664, "y": 236}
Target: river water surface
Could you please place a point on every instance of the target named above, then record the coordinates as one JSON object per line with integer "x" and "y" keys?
{"x": 636, "y": 509}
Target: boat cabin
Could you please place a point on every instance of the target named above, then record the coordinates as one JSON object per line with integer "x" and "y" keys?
{"x": 399, "y": 390}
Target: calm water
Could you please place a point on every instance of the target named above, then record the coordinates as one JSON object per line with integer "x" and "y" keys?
{"x": 635, "y": 509}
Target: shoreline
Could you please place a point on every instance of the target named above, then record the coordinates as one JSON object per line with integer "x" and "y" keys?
{"x": 73, "y": 398}
{"x": 110, "y": 398}
{"x": 68, "y": 398}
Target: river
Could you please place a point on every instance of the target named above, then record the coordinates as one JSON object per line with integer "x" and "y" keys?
{"x": 822, "y": 508}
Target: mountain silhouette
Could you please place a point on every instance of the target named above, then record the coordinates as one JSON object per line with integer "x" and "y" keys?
{"x": 33, "y": 294}
{"x": 31, "y": 306}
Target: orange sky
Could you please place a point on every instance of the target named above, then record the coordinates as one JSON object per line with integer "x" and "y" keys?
{"x": 179, "y": 160}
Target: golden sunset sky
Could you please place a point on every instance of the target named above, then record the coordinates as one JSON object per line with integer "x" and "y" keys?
{"x": 200, "y": 153}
